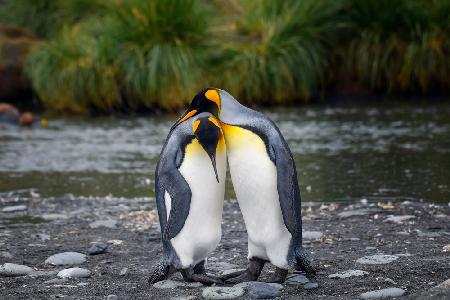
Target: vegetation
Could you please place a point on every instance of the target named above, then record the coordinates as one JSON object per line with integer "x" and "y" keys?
{"x": 104, "y": 56}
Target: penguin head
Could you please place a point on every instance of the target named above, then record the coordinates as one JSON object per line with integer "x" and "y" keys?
{"x": 208, "y": 132}
{"x": 207, "y": 100}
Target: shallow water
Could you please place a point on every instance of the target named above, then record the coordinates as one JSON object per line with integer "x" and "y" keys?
{"x": 343, "y": 153}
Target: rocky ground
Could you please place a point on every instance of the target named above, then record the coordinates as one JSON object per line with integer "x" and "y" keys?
{"x": 402, "y": 247}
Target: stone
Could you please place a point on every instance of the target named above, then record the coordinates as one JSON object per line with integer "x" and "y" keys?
{"x": 296, "y": 279}
{"x": 39, "y": 274}
{"x": 168, "y": 284}
{"x": 6, "y": 254}
{"x": 219, "y": 267}
{"x": 444, "y": 285}
{"x": 74, "y": 273}
{"x": 348, "y": 274}
{"x": 377, "y": 259}
{"x": 11, "y": 270}
{"x": 123, "y": 272}
{"x": 311, "y": 235}
{"x": 104, "y": 223}
{"x": 54, "y": 217}
{"x": 97, "y": 248}
{"x": 112, "y": 297}
{"x": 357, "y": 212}
{"x": 311, "y": 286}
{"x": 43, "y": 236}
{"x": 261, "y": 290}
{"x": 230, "y": 271}
{"x": 115, "y": 242}
{"x": 187, "y": 297}
{"x": 193, "y": 285}
{"x": 446, "y": 248}
{"x": 14, "y": 208}
{"x": 66, "y": 258}
{"x": 398, "y": 219}
{"x": 222, "y": 292}
{"x": 382, "y": 294}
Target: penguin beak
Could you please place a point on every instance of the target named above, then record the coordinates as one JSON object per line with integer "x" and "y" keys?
{"x": 213, "y": 161}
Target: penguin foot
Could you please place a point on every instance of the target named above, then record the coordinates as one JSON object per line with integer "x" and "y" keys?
{"x": 231, "y": 275}
{"x": 252, "y": 273}
{"x": 159, "y": 273}
{"x": 278, "y": 277}
{"x": 190, "y": 276}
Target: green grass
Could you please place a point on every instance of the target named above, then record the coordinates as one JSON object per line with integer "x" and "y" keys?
{"x": 134, "y": 55}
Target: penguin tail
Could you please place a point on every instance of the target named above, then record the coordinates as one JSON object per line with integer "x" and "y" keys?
{"x": 303, "y": 262}
{"x": 160, "y": 271}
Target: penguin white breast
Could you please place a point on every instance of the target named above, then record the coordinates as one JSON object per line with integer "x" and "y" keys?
{"x": 202, "y": 229}
{"x": 254, "y": 178}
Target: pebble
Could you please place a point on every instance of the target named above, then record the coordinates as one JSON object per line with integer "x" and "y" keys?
{"x": 112, "y": 297}
{"x": 297, "y": 279}
{"x": 66, "y": 258}
{"x": 43, "y": 236}
{"x": 260, "y": 290}
{"x": 348, "y": 274}
{"x": 54, "y": 217}
{"x": 187, "y": 297}
{"x": 378, "y": 259}
{"x": 74, "y": 273}
{"x": 97, "y": 248}
{"x": 384, "y": 293}
{"x": 9, "y": 269}
{"x": 14, "y": 208}
{"x": 193, "y": 285}
{"x": 38, "y": 274}
{"x": 115, "y": 242}
{"x": 446, "y": 248}
{"x": 357, "y": 212}
{"x": 311, "y": 286}
{"x": 312, "y": 235}
{"x": 398, "y": 219}
{"x": 445, "y": 284}
{"x": 168, "y": 284}
{"x": 123, "y": 271}
{"x": 7, "y": 255}
{"x": 103, "y": 223}
{"x": 222, "y": 292}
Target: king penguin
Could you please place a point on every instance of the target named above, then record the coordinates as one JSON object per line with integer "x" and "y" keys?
{"x": 189, "y": 197}
{"x": 264, "y": 178}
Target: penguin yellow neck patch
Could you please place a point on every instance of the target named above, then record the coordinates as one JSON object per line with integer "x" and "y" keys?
{"x": 213, "y": 96}
{"x": 195, "y": 125}
{"x": 240, "y": 138}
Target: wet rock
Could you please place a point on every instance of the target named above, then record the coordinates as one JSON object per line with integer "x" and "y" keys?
{"x": 348, "y": 274}
{"x": 11, "y": 270}
{"x": 219, "y": 267}
{"x": 312, "y": 235}
{"x": 104, "y": 223}
{"x": 260, "y": 290}
{"x": 222, "y": 292}
{"x": 382, "y": 294}
{"x": 357, "y": 212}
{"x": 311, "y": 286}
{"x": 112, "y": 297}
{"x": 97, "y": 248}
{"x": 14, "y": 208}
{"x": 40, "y": 274}
{"x": 378, "y": 259}
{"x": 66, "y": 258}
{"x": 168, "y": 284}
{"x": 296, "y": 279}
{"x": 123, "y": 272}
{"x": 398, "y": 219}
{"x": 74, "y": 273}
{"x": 54, "y": 217}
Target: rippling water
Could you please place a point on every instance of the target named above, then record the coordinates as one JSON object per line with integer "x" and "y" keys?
{"x": 342, "y": 153}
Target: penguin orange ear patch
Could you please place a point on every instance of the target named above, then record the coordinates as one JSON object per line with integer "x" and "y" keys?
{"x": 195, "y": 125}
{"x": 213, "y": 95}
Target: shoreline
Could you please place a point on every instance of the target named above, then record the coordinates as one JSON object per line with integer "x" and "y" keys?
{"x": 416, "y": 234}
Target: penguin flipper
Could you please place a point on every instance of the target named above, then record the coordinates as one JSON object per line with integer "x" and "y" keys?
{"x": 180, "y": 194}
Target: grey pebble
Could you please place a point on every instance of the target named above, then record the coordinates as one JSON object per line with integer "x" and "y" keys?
{"x": 39, "y": 274}
{"x": 382, "y": 294}
{"x": 222, "y": 292}
{"x": 74, "y": 273}
{"x": 261, "y": 290}
{"x": 10, "y": 270}
{"x": 311, "y": 286}
{"x": 123, "y": 271}
{"x": 97, "y": 248}
{"x": 112, "y": 297}
{"x": 297, "y": 279}
{"x": 66, "y": 258}
{"x": 14, "y": 208}
{"x": 377, "y": 259}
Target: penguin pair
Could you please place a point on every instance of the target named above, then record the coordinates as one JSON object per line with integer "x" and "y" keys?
{"x": 190, "y": 187}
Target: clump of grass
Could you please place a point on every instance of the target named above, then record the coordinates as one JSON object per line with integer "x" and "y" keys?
{"x": 74, "y": 72}
{"x": 399, "y": 46}
{"x": 279, "y": 52}
{"x": 161, "y": 46}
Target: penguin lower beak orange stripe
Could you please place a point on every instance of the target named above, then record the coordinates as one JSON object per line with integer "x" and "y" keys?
{"x": 187, "y": 115}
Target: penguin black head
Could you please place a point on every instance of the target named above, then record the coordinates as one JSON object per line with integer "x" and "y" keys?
{"x": 207, "y": 100}
{"x": 208, "y": 133}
